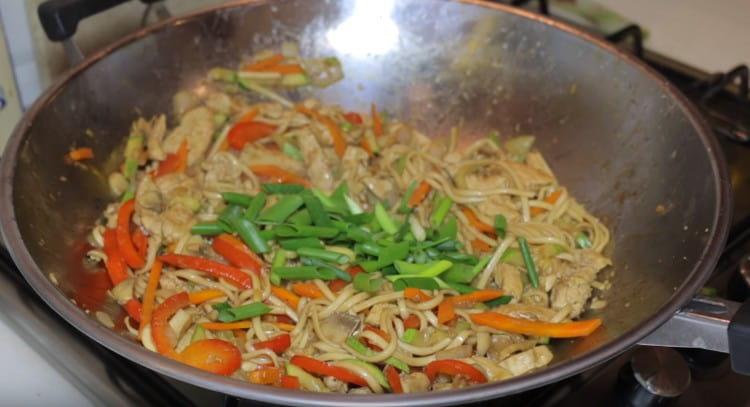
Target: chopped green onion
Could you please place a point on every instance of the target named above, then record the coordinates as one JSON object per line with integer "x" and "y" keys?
{"x": 367, "y": 248}
{"x": 305, "y": 231}
{"x": 255, "y": 206}
{"x": 291, "y": 151}
{"x": 442, "y": 207}
{"x": 279, "y": 260}
{"x": 500, "y": 225}
{"x": 301, "y": 217}
{"x": 393, "y": 252}
{"x": 304, "y": 273}
{"x": 198, "y": 334}
{"x": 282, "y": 209}
{"x": 322, "y": 254}
{"x": 343, "y": 250}
{"x": 583, "y": 241}
{"x": 359, "y": 219}
{"x": 209, "y": 229}
{"x": 358, "y": 234}
{"x": 353, "y": 206}
{"x": 529, "y": 262}
{"x": 340, "y": 274}
{"x": 465, "y": 274}
{"x": 315, "y": 207}
{"x": 432, "y": 269}
{"x": 247, "y": 311}
{"x": 367, "y": 282}
{"x": 461, "y": 288}
{"x": 423, "y": 283}
{"x": 401, "y": 164}
{"x": 448, "y": 229}
{"x": 282, "y": 189}
{"x": 409, "y": 335}
{"x": 505, "y": 299}
{"x": 230, "y": 214}
{"x": 235, "y": 198}
{"x": 384, "y": 219}
{"x": 250, "y": 235}
{"x": 457, "y": 257}
{"x": 404, "y": 207}
{"x": 346, "y": 126}
{"x": 512, "y": 256}
{"x": 297, "y": 243}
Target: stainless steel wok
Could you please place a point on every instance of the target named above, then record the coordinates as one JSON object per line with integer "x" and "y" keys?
{"x": 619, "y": 136}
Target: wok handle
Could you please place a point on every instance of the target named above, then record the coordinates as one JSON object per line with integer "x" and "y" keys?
{"x": 60, "y": 19}
{"x": 712, "y": 324}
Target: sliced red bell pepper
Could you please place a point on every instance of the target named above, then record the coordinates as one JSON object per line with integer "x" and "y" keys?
{"x": 236, "y": 253}
{"x": 278, "y": 175}
{"x": 162, "y": 333}
{"x": 216, "y": 269}
{"x": 393, "y": 379}
{"x": 115, "y": 264}
{"x": 248, "y": 132}
{"x": 212, "y": 355}
{"x": 174, "y": 162}
{"x": 124, "y": 242}
{"x": 290, "y": 382}
{"x": 454, "y": 367}
{"x": 319, "y": 368}
{"x": 140, "y": 240}
{"x": 412, "y": 322}
{"x": 278, "y": 343}
{"x": 133, "y": 308}
{"x": 353, "y": 118}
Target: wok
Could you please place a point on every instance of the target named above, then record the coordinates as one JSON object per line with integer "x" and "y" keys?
{"x": 619, "y": 136}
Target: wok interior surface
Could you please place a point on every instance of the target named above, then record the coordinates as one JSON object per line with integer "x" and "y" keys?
{"x": 613, "y": 134}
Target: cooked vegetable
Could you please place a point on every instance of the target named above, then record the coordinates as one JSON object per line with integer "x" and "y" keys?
{"x": 81, "y": 154}
{"x": 529, "y": 262}
{"x": 536, "y": 328}
{"x": 454, "y": 368}
{"x": 232, "y": 274}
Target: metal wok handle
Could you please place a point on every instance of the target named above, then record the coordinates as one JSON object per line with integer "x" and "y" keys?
{"x": 60, "y": 19}
{"x": 712, "y": 324}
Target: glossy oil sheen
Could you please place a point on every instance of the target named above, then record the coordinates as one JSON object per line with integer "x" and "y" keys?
{"x": 617, "y": 136}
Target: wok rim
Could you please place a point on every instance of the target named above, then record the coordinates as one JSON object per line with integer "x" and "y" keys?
{"x": 140, "y": 355}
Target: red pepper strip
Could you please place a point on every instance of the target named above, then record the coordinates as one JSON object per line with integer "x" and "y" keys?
{"x": 212, "y": 355}
{"x": 290, "y": 382}
{"x": 116, "y": 267}
{"x": 286, "y": 69}
{"x": 127, "y": 249}
{"x": 536, "y": 328}
{"x": 377, "y": 123}
{"x": 337, "y": 285}
{"x": 236, "y": 253}
{"x": 133, "y": 308}
{"x": 277, "y": 344}
{"x": 265, "y": 375}
{"x": 162, "y": 333}
{"x": 174, "y": 162}
{"x": 393, "y": 379}
{"x": 380, "y": 333}
{"x": 216, "y": 269}
{"x": 353, "y": 118}
{"x": 140, "y": 240}
{"x": 319, "y": 368}
{"x": 248, "y": 132}
{"x": 477, "y": 223}
{"x": 278, "y": 175}
{"x": 80, "y": 154}
{"x": 453, "y": 367}
{"x": 412, "y": 322}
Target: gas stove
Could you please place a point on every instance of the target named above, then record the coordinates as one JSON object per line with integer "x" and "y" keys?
{"x": 643, "y": 376}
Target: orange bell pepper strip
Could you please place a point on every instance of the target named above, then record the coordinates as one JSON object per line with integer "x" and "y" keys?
{"x": 416, "y": 295}
{"x": 284, "y": 326}
{"x": 149, "y": 295}
{"x": 319, "y": 368}
{"x": 393, "y": 379}
{"x": 134, "y": 308}
{"x": 550, "y": 199}
{"x": 477, "y": 223}
{"x": 453, "y": 367}
{"x": 80, "y": 154}
{"x": 446, "y": 312}
{"x": 419, "y": 194}
{"x": 140, "y": 240}
{"x": 278, "y": 343}
{"x": 412, "y": 322}
{"x": 161, "y": 331}
{"x": 236, "y": 253}
{"x": 481, "y": 246}
{"x": 227, "y": 326}
{"x": 115, "y": 264}
{"x": 278, "y": 175}
{"x": 264, "y": 64}
{"x": 377, "y": 123}
{"x": 309, "y": 290}
{"x": 212, "y": 355}
{"x": 290, "y": 382}
{"x": 265, "y": 376}
{"x": 286, "y": 69}
{"x": 290, "y": 298}
{"x": 447, "y": 308}
{"x": 536, "y": 328}
{"x": 248, "y": 132}
{"x": 124, "y": 242}
{"x": 219, "y": 270}
{"x": 199, "y": 297}
{"x": 175, "y": 162}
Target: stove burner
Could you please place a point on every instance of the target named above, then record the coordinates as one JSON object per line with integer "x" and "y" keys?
{"x": 661, "y": 374}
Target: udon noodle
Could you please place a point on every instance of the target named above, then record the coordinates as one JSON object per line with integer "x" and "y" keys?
{"x": 304, "y": 246}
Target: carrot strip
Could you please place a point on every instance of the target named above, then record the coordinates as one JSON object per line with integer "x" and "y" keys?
{"x": 366, "y": 146}
{"x": 309, "y": 290}
{"x": 412, "y": 322}
{"x": 476, "y": 222}
{"x": 175, "y": 162}
{"x": 235, "y": 276}
{"x": 536, "y": 328}
{"x": 480, "y": 245}
{"x": 446, "y": 312}
{"x": 199, "y": 297}
{"x": 550, "y": 199}
{"x": 377, "y": 123}
{"x": 419, "y": 194}
{"x": 127, "y": 249}
{"x": 285, "y": 295}
{"x": 416, "y": 295}
{"x": 278, "y": 175}
{"x": 264, "y": 64}
{"x": 475, "y": 297}
{"x": 284, "y": 326}
{"x": 236, "y": 253}
{"x": 80, "y": 154}
{"x": 115, "y": 264}
{"x": 266, "y": 376}
{"x": 339, "y": 143}
{"x": 227, "y": 326}
{"x": 150, "y": 294}
{"x": 286, "y": 69}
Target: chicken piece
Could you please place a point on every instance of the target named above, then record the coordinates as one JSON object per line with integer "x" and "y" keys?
{"x": 527, "y": 311}
{"x": 154, "y": 138}
{"x": 183, "y": 101}
{"x": 222, "y": 168}
{"x": 318, "y": 168}
{"x": 571, "y": 292}
{"x": 415, "y": 382}
{"x": 197, "y": 128}
{"x": 258, "y": 155}
{"x": 382, "y": 188}
{"x": 335, "y": 385}
{"x": 528, "y": 360}
{"x": 535, "y": 296}
{"x": 339, "y": 326}
{"x": 449, "y": 383}
{"x": 219, "y": 102}
{"x": 511, "y": 280}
